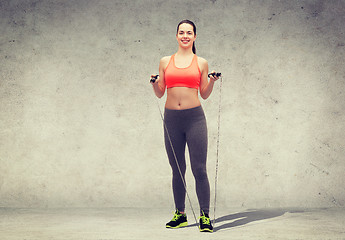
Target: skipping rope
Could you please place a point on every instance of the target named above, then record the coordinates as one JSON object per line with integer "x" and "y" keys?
{"x": 217, "y": 152}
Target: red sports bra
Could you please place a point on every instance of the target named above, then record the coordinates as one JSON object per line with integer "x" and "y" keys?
{"x": 182, "y": 77}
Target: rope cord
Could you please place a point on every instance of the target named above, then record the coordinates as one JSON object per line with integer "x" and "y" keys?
{"x": 217, "y": 161}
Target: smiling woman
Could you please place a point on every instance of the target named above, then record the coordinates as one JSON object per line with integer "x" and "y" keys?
{"x": 186, "y": 35}
{"x": 183, "y": 74}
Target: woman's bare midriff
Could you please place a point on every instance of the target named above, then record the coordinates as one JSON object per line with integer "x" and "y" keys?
{"x": 179, "y": 98}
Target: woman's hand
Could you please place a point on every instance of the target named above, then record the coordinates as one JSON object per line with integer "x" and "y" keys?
{"x": 213, "y": 76}
{"x": 154, "y": 79}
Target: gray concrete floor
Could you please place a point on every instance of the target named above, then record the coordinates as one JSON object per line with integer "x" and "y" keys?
{"x": 113, "y": 224}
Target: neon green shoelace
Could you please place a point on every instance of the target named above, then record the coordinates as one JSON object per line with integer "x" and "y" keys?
{"x": 205, "y": 220}
{"x": 176, "y": 217}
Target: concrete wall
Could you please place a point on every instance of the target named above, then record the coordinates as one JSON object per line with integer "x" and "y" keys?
{"x": 80, "y": 127}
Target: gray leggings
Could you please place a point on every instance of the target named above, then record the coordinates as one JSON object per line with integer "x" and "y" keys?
{"x": 188, "y": 126}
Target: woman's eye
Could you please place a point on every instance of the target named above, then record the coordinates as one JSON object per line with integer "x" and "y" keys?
{"x": 188, "y": 33}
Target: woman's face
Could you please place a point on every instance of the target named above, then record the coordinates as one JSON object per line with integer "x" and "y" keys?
{"x": 185, "y": 35}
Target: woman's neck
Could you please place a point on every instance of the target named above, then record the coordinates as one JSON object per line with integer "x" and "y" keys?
{"x": 184, "y": 52}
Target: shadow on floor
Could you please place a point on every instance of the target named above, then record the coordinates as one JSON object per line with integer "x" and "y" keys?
{"x": 243, "y": 218}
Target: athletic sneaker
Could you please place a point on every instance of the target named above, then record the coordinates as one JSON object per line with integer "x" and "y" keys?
{"x": 179, "y": 220}
{"x": 205, "y": 223}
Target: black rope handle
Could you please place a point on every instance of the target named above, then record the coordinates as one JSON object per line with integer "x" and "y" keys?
{"x": 215, "y": 74}
{"x": 153, "y": 79}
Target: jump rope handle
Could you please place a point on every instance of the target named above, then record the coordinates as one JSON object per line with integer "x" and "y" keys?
{"x": 153, "y": 79}
{"x": 215, "y": 74}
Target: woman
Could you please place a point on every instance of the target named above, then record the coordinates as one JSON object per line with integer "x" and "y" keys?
{"x": 183, "y": 74}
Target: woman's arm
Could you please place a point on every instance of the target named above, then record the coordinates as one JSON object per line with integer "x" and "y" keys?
{"x": 206, "y": 86}
{"x": 159, "y": 85}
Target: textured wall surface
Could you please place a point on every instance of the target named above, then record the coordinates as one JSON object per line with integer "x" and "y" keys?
{"x": 80, "y": 127}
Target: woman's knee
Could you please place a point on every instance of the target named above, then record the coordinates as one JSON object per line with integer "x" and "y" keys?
{"x": 199, "y": 172}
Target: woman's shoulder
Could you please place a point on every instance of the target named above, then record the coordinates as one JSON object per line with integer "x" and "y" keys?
{"x": 165, "y": 58}
{"x": 164, "y": 62}
{"x": 202, "y": 61}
